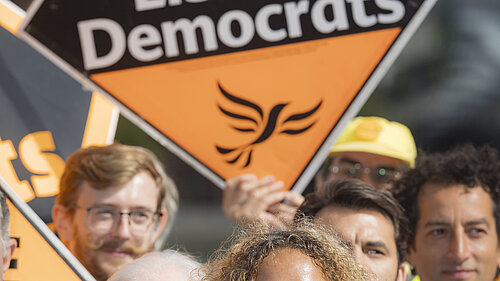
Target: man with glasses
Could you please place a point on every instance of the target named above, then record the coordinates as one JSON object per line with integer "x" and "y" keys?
{"x": 114, "y": 203}
{"x": 372, "y": 149}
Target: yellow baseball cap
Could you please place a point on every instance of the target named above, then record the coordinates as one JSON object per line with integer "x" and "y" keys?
{"x": 378, "y": 136}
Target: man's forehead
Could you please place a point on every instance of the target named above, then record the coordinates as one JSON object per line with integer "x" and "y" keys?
{"x": 436, "y": 190}
{"x": 369, "y": 223}
{"x": 140, "y": 191}
{"x": 443, "y": 202}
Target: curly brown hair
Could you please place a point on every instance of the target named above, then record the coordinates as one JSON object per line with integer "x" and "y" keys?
{"x": 464, "y": 164}
{"x": 248, "y": 248}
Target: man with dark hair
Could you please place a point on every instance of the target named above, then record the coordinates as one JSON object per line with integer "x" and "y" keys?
{"x": 114, "y": 203}
{"x": 8, "y": 244}
{"x": 370, "y": 220}
{"x": 451, "y": 200}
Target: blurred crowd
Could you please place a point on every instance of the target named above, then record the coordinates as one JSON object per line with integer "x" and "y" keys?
{"x": 378, "y": 211}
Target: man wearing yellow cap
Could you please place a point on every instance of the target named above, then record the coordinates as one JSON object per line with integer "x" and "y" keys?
{"x": 372, "y": 149}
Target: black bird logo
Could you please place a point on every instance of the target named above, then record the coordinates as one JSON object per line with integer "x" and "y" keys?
{"x": 262, "y": 127}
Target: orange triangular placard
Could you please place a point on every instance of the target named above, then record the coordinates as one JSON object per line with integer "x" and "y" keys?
{"x": 293, "y": 96}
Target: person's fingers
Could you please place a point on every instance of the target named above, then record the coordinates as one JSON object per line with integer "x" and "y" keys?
{"x": 284, "y": 212}
{"x": 282, "y": 208}
{"x": 252, "y": 195}
{"x": 256, "y": 211}
{"x": 234, "y": 195}
{"x": 263, "y": 203}
{"x": 266, "y": 180}
{"x": 265, "y": 188}
{"x": 241, "y": 189}
{"x": 242, "y": 199}
{"x": 233, "y": 183}
{"x": 238, "y": 190}
{"x": 294, "y": 199}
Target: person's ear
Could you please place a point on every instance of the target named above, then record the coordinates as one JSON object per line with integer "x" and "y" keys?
{"x": 9, "y": 252}
{"x": 162, "y": 223}
{"x": 402, "y": 270}
{"x": 63, "y": 223}
{"x": 410, "y": 256}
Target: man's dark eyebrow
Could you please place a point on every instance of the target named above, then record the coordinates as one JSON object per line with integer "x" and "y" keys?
{"x": 436, "y": 223}
{"x": 469, "y": 223}
{"x": 348, "y": 160}
{"x": 478, "y": 222}
{"x": 377, "y": 244}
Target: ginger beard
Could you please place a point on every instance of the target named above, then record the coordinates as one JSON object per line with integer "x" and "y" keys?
{"x": 103, "y": 256}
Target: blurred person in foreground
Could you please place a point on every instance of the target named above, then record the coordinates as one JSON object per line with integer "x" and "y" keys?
{"x": 8, "y": 244}
{"x": 370, "y": 220}
{"x": 372, "y": 149}
{"x": 297, "y": 253}
{"x": 114, "y": 202}
{"x": 451, "y": 200}
{"x": 169, "y": 265}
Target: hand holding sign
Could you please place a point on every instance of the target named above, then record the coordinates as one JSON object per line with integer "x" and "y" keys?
{"x": 247, "y": 199}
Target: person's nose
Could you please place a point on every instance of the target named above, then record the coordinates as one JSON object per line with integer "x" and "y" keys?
{"x": 357, "y": 252}
{"x": 122, "y": 229}
{"x": 459, "y": 249}
{"x": 366, "y": 177}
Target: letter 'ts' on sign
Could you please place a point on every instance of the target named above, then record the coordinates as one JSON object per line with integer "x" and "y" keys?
{"x": 39, "y": 254}
{"x": 231, "y": 86}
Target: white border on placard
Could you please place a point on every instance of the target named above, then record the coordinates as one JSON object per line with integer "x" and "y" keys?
{"x": 314, "y": 164}
{"x": 45, "y": 232}
{"x": 364, "y": 94}
{"x": 115, "y": 115}
{"x": 14, "y": 8}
